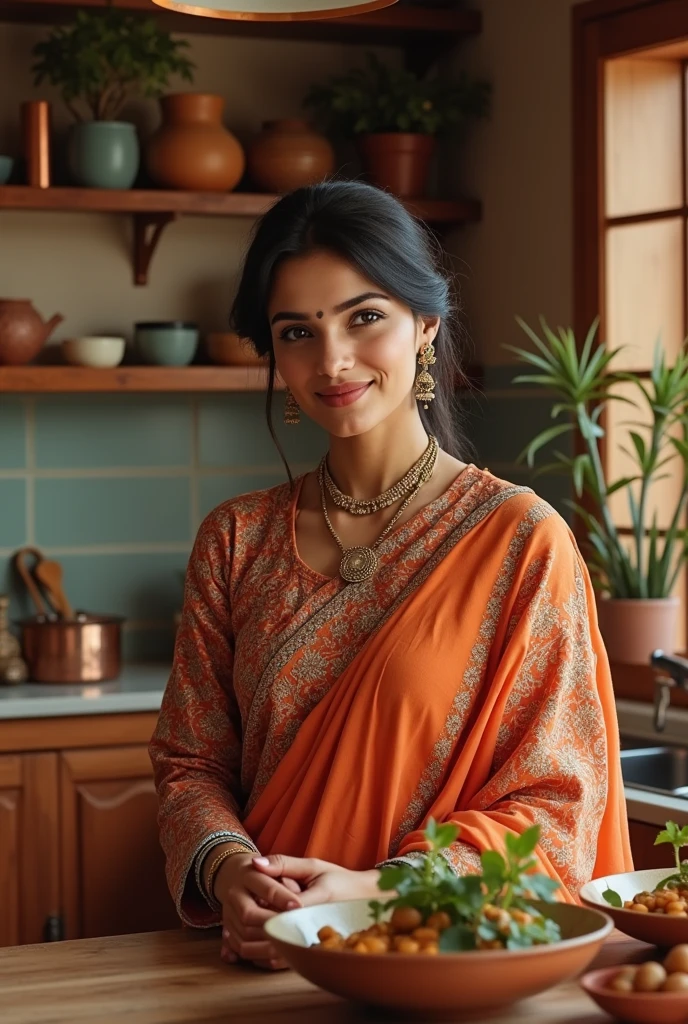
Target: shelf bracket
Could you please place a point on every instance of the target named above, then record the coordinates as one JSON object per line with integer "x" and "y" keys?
{"x": 148, "y": 227}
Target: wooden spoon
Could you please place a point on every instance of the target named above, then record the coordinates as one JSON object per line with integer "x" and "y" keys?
{"x": 28, "y": 579}
{"x": 50, "y": 575}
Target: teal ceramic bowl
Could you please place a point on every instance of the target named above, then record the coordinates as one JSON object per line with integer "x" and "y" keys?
{"x": 167, "y": 342}
{"x": 6, "y": 165}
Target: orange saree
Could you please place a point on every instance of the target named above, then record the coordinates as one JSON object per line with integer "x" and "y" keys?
{"x": 467, "y": 680}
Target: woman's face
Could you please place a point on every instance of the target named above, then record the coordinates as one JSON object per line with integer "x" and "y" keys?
{"x": 346, "y": 350}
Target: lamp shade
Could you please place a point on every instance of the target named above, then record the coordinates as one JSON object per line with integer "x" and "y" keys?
{"x": 276, "y": 10}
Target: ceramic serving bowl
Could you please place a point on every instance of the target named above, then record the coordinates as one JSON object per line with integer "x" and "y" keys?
{"x": 99, "y": 351}
{"x": 6, "y": 166}
{"x": 228, "y": 349}
{"x": 166, "y": 342}
{"x": 657, "y": 929}
{"x": 457, "y": 983}
{"x": 638, "y": 1007}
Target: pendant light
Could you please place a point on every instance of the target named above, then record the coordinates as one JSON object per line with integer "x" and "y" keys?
{"x": 276, "y": 10}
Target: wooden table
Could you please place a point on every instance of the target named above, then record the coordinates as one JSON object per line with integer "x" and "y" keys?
{"x": 176, "y": 977}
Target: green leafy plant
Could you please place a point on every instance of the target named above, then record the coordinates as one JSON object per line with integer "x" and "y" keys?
{"x": 480, "y": 906}
{"x": 376, "y": 98}
{"x": 583, "y": 381}
{"x": 678, "y": 837}
{"x": 104, "y": 57}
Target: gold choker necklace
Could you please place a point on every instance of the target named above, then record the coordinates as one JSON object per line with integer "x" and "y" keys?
{"x": 399, "y": 490}
{"x": 361, "y": 562}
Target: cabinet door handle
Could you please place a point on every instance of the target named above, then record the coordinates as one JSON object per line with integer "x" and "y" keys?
{"x": 53, "y": 929}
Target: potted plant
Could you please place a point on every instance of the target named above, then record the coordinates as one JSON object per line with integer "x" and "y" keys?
{"x": 634, "y": 576}
{"x": 98, "y": 62}
{"x": 395, "y": 117}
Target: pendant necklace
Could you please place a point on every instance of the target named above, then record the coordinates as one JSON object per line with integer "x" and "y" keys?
{"x": 360, "y": 563}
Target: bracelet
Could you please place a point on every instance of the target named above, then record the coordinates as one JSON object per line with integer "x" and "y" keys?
{"x": 215, "y": 866}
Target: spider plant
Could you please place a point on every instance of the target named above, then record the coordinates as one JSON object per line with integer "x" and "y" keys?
{"x": 583, "y": 380}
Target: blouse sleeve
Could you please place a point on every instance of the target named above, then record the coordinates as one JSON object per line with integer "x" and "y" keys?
{"x": 196, "y": 746}
{"x": 555, "y": 760}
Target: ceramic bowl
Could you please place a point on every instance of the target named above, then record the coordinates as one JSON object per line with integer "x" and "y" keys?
{"x": 228, "y": 349}
{"x": 167, "y": 343}
{"x": 657, "y": 929}
{"x": 639, "y": 1007}
{"x": 99, "y": 351}
{"x": 454, "y": 983}
{"x": 6, "y": 165}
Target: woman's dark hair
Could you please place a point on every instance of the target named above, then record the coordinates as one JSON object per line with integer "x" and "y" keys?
{"x": 373, "y": 232}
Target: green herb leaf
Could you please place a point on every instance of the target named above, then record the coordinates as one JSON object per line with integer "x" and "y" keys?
{"x": 456, "y": 939}
{"x": 612, "y": 898}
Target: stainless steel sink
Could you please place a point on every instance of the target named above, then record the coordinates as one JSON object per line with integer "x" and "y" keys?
{"x": 657, "y": 769}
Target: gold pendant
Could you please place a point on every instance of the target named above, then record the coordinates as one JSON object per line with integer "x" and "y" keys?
{"x": 358, "y": 564}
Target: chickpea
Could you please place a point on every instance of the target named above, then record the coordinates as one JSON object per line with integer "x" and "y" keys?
{"x": 639, "y": 908}
{"x": 677, "y": 907}
{"x": 439, "y": 920}
{"x": 491, "y": 912}
{"x": 521, "y": 917}
{"x": 649, "y": 977}
{"x": 432, "y": 949}
{"x": 489, "y": 944}
{"x": 425, "y": 935}
{"x": 375, "y": 944}
{"x": 328, "y": 933}
{"x": 677, "y": 982}
{"x": 677, "y": 959}
{"x": 621, "y": 983}
{"x": 405, "y": 944}
{"x": 405, "y": 919}
{"x": 360, "y": 947}
{"x": 332, "y": 943}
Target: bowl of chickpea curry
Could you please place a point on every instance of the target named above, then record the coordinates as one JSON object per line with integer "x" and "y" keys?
{"x": 441, "y": 942}
{"x": 649, "y": 905}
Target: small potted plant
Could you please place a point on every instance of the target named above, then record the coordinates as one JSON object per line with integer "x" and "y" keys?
{"x": 395, "y": 117}
{"x": 635, "y": 576}
{"x": 98, "y": 62}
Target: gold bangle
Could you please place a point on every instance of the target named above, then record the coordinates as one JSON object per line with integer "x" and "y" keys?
{"x": 219, "y": 860}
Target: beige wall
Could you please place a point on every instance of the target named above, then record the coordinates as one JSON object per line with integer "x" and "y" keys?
{"x": 519, "y": 258}
{"x": 519, "y": 163}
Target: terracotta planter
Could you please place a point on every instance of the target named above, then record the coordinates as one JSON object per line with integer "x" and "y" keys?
{"x": 192, "y": 149}
{"x": 633, "y": 628}
{"x": 288, "y": 154}
{"x": 398, "y": 161}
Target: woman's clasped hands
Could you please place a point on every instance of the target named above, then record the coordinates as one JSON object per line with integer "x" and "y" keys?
{"x": 253, "y": 889}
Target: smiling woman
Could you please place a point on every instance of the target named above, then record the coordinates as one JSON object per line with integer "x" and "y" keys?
{"x": 395, "y": 636}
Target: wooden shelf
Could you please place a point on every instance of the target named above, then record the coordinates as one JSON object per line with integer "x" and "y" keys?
{"x": 76, "y": 379}
{"x": 416, "y": 28}
{"x": 154, "y": 209}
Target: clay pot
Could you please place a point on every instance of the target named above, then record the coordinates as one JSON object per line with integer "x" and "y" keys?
{"x": 288, "y": 154}
{"x": 225, "y": 348}
{"x": 22, "y": 331}
{"x": 632, "y": 628}
{"x": 192, "y": 149}
{"x": 397, "y": 161}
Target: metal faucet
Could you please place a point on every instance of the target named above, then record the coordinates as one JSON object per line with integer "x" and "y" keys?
{"x": 672, "y": 671}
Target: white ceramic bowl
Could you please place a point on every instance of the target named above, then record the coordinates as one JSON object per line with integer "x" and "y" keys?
{"x": 657, "y": 929}
{"x": 99, "y": 351}
{"x": 457, "y": 983}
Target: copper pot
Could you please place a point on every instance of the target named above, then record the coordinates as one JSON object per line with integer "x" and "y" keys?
{"x": 86, "y": 649}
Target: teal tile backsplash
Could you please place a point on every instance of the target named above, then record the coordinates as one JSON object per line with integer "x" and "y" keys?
{"x": 75, "y": 512}
{"x": 116, "y": 486}
{"x": 12, "y": 433}
{"x": 92, "y": 433}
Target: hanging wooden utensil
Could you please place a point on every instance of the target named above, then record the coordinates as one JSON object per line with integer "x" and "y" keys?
{"x": 28, "y": 579}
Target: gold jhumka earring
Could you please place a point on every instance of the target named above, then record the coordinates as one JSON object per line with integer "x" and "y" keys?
{"x": 425, "y": 384}
{"x": 292, "y": 413}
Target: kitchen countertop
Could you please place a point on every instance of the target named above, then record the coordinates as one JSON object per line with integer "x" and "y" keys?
{"x": 139, "y": 688}
{"x": 177, "y": 977}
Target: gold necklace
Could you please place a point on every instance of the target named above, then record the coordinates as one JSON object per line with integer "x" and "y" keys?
{"x": 361, "y": 562}
{"x": 399, "y": 490}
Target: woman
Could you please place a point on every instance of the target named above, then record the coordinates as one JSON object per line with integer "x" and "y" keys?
{"x": 396, "y": 635}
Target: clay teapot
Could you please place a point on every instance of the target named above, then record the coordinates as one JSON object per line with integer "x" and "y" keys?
{"x": 22, "y": 331}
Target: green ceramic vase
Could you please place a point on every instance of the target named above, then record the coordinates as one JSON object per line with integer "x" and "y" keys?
{"x": 104, "y": 154}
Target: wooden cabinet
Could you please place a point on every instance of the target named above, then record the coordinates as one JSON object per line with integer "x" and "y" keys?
{"x": 79, "y": 849}
{"x": 645, "y": 854}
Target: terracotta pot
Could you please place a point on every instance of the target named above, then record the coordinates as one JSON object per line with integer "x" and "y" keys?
{"x": 225, "y": 348}
{"x": 288, "y": 154}
{"x": 397, "y": 161}
{"x": 632, "y": 628}
{"x": 192, "y": 149}
{"x": 22, "y": 331}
